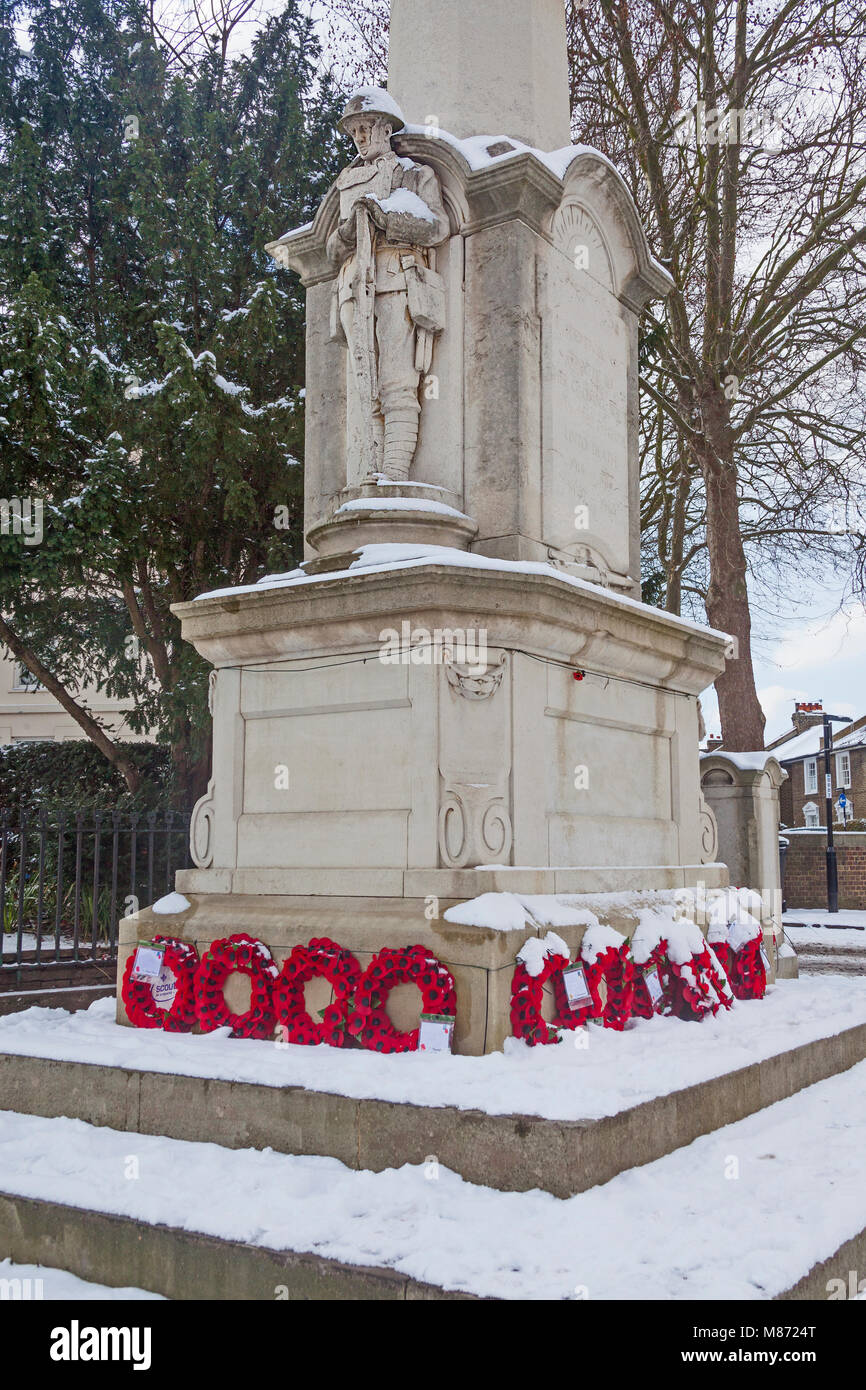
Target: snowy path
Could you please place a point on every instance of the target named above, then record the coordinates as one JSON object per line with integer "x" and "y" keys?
{"x": 49, "y": 1285}
{"x": 682, "y": 1227}
{"x": 614, "y": 1072}
{"x": 824, "y": 918}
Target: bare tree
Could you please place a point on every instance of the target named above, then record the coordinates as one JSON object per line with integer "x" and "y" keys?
{"x": 741, "y": 130}
{"x": 355, "y": 39}
{"x": 185, "y": 30}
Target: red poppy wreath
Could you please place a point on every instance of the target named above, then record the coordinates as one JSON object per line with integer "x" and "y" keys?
{"x": 181, "y": 958}
{"x": 693, "y": 983}
{"x": 325, "y": 959}
{"x": 538, "y": 962}
{"x": 737, "y": 945}
{"x": 606, "y": 957}
{"x": 369, "y": 1022}
{"x": 236, "y": 953}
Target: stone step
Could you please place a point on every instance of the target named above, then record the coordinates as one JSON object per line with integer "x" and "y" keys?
{"x": 119, "y": 1251}
{"x": 200, "y": 1221}
{"x": 825, "y": 958}
{"x": 514, "y": 1152}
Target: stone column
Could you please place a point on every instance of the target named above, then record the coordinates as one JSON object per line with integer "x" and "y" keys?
{"x": 489, "y": 67}
{"x": 742, "y": 791}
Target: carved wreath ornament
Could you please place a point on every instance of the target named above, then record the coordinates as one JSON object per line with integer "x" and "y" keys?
{"x": 466, "y": 681}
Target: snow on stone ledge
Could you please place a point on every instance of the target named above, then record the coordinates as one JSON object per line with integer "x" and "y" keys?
{"x": 512, "y": 912}
{"x": 171, "y": 904}
{"x": 387, "y": 555}
{"x": 400, "y": 504}
{"x": 619, "y": 1070}
{"x": 746, "y": 762}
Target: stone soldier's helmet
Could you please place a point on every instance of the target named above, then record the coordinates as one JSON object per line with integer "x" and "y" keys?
{"x": 372, "y": 101}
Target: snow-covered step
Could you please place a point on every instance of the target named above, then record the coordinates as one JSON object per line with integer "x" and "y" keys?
{"x": 772, "y": 1206}
{"x": 563, "y": 1119}
{"x": 26, "y": 1283}
{"x": 821, "y": 965}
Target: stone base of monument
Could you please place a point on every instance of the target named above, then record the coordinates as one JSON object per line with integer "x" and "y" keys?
{"x": 481, "y": 960}
{"x": 381, "y": 731}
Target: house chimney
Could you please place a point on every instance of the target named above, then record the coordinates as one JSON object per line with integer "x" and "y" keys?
{"x": 713, "y": 742}
{"x": 806, "y": 716}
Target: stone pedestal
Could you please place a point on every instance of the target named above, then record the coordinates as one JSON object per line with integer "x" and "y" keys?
{"x": 403, "y": 764}
{"x": 359, "y": 797}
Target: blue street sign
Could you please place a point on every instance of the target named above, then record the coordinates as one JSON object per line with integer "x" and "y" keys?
{"x": 843, "y": 800}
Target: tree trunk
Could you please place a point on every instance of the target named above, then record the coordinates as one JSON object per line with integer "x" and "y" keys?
{"x": 742, "y": 718}
{"x": 191, "y": 775}
{"x": 674, "y": 587}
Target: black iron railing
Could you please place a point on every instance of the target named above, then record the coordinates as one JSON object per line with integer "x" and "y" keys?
{"x": 65, "y": 883}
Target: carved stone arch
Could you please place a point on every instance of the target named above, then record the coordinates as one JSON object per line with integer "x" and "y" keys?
{"x": 574, "y": 230}
{"x": 717, "y": 777}
{"x": 594, "y": 184}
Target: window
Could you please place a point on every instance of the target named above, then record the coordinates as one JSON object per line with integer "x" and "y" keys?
{"x": 24, "y": 679}
{"x": 843, "y": 769}
{"x": 811, "y": 775}
{"x": 812, "y": 818}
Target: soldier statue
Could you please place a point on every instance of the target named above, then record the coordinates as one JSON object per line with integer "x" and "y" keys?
{"x": 390, "y": 302}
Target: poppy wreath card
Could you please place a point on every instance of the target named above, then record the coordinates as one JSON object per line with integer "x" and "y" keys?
{"x": 179, "y": 957}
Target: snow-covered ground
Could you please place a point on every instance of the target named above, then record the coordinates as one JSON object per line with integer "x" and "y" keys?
{"x": 819, "y": 927}
{"x": 740, "y": 1214}
{"x": 67, "y": 941}
{"x": 804, "y": 937}
{"x": 612, "y": 1072}
{"x": 37, "y": 1282}
{"x": 844, "y": 917}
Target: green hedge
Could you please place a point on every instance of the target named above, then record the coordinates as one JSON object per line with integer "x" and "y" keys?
{"x": 75, "y": 776}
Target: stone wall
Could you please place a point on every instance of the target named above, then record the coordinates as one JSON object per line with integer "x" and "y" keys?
{"x": 806, "y": 871}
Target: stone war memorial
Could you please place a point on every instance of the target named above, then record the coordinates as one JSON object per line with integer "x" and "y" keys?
{"x": 456, "y": 790}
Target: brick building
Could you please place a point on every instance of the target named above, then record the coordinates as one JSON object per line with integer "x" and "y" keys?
{"x": 801, "y": 753}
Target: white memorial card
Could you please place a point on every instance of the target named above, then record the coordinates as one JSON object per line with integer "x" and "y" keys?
{"x": 164, "y": 988}
{"x": 148, "y": 962}
{"x": 577, "y": 991}
{"x": 435, "y": 1033}
{"x": 653, "y": 984}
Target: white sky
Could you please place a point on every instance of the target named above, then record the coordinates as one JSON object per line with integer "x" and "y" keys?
{"x": 819, "y": 656}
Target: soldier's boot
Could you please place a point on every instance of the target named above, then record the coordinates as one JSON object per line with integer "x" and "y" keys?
{"x": 401, "y": 441}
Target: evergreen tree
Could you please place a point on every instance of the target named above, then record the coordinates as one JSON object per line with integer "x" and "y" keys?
{"x": 151, "y": 354}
